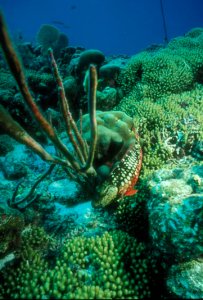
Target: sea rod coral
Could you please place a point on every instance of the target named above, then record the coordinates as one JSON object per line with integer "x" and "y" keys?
{"x": 107, "y": 153}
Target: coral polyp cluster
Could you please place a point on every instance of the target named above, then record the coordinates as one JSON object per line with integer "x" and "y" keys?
{"x": 113, "y": 265}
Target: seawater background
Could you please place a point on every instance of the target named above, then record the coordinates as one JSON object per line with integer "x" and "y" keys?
{"x": 112, "y": 26}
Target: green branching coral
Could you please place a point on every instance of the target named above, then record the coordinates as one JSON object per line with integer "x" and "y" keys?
{"x": 34, "y": 239}
{"x": 195, "y": 33}
{"x": 167, "y": 73}
{"x": 157, "y": 72}
{"x": 132, "y": 73}
{"x": 113, "y": 265}
{"x": 169, "y": 127}
{"x": 24, "y": 282}
{"x": 190, "y": 48}
{"x": 151, "y": 121}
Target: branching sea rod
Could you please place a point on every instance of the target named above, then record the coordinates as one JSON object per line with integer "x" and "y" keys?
{"x": 107, "y": 153}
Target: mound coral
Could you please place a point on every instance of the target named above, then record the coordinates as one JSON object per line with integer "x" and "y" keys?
{"x": 91, "y": 56}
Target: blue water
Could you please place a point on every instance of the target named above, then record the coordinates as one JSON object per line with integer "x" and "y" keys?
{"x": 112, "y": 26}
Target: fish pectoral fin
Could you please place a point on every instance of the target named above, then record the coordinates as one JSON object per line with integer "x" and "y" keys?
{"x": 130, "y": 193}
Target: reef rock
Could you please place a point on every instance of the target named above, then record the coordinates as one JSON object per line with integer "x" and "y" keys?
{"x": 65, "y": 191}
{"x": 107, "y": 99}
{"x": 176, "y": 212}
{"x": 14, "y": 163}
{"x": 6, "y": 144}
{"x": 185, "y": 280}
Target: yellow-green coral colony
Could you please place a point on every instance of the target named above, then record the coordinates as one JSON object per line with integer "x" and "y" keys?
{"x": 113, "y": 265}
{"x": 169, "y": 127}
{"x": 173, "y": 69}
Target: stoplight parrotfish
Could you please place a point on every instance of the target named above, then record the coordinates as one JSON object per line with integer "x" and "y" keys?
{"x": 122, "y": 178}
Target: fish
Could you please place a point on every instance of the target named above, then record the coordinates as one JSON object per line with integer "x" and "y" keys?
{"x": 73, "y": 6}
{"x": 57, "y": 22}
{"x": 122, "y": 178}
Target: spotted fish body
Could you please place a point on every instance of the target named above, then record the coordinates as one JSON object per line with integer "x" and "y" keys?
{"x": 123, "y": 176}
{"x": 126, "y": 174}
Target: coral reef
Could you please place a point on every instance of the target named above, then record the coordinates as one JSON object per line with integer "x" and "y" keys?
{"x": 117, "y": 149}
{"x": 175, "y": 225}
{"x": 107, "y": 98}
{"x": 6, "y": 144}
{"x": 114, "y": 252}
{"x": 115, "y": 134}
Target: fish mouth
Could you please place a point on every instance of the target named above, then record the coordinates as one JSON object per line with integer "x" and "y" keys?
{"x": 105, "y": 195}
